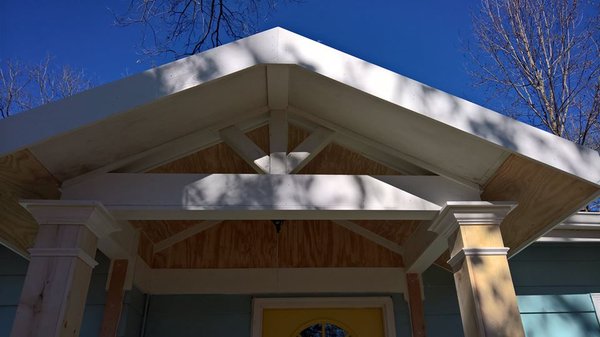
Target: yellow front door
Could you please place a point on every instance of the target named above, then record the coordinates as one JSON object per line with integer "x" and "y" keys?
{"x": 323, "y": 322}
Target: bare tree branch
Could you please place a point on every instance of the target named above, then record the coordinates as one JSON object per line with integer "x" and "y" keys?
{"x": 185, "y": 27}
{"x": 24, "y": 86}
{"x": 544, "y": 53}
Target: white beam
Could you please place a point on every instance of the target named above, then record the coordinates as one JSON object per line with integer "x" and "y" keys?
{"x": 277, "y": 85}
{"x": 246, "y": 148}
{"x": 269, "y": 280}
{"x": 278, "y": 139}
{"x": 184, "y": 234}
{"x": 308, "y": 149}
{"x": 402, "y": 162}
{"x": 256, "y": 196}
{"x": 175, "y": 149}
{"x": 367, "y": 234}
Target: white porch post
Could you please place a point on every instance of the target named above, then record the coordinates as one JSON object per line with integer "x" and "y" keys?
{"x": 55, "y": 289}
{"x": 486, "y": 295}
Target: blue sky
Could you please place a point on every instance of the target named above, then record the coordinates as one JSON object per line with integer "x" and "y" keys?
{"x": 419, "y": 39}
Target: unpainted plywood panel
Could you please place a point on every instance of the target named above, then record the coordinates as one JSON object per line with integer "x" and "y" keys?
{"x": 231, "y": 244}
{"x": 22, "y": 177}
{"x": 158, "y": 230}
{"x": 296, "y": 135}
{"x": 321, "y": 243}
{"x": 543, "y": 195}
{"x": 335, "y": 159}
{"x": 255, "y": 244}
{"x": 219, "y": 158}
{"x": 396, "y": 231}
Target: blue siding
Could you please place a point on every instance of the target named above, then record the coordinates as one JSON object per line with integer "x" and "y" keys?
{"x": 552, "y": 281}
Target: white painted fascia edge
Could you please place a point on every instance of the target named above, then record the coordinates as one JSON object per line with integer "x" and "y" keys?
{"x": 596, "y": 302}
{"x": 279, "y": 46}
{"x": 581, "y": 220}
{"x": 385, "y": 303}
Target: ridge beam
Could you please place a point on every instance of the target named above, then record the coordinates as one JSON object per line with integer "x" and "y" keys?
{"x": 246, "y": 148}
{"x": 308, "y": 149}
{"x": 184, "y": 235}
{"x": 371, "y": 236}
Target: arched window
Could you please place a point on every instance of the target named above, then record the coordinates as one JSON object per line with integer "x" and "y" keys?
{"x": 323, "y": 328}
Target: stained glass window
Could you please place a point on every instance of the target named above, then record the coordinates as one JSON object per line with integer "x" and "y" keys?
{"x": 324, "y": 329}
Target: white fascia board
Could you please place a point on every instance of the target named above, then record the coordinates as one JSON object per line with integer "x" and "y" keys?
{"x": 442, "y": 107}
{"x": 92, "y": 106}
{"x": 256, "y": 196}
{"x": 278, "y": 46}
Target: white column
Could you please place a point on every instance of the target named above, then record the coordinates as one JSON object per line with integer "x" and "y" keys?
{"x": 55, "y": 289}
{"x": 486, "y": 295}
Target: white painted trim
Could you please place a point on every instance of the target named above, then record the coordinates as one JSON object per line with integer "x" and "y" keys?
{"x": 384, "y": 303}
{"x": 453, "y": 215}
{"x": 373, "y": 237}
{"x": 91, "y": 214}
{"x": 278, "y": 142}
{"x": 64, "y": 252}
{"x": 234, "y": 196}
{"x": 581, "y": 220}
{"x": 375, "y": 150}
{"x": 308, "y": 149}
{"x": 278, "y": 46}
{"x": 269, "y": 280}
{"x": 246, "y": 148}
{"x": 596, "y": 302}
{"x": 184, "y": 234}
{"x": 177, "y": 148}
{"x": 457, "y": 258}
{"x": 277, "y": 85}
{"x": 456, "y": 214}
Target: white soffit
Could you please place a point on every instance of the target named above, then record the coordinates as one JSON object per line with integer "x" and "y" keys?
{"x": 410, "y": 116}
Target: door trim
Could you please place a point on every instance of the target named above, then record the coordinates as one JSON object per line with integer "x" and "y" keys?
{"x": 384, "y": 303}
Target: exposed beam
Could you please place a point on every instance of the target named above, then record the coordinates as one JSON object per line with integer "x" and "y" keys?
{"x": 269, "y": 280}
{"x": 277, "y": 85}
{"x": 255, "y": 196}
{"x": 367, "y": 234}
{"x": 184, "y": 234}
{"x": 177, "y": 148}
{"x": 278, "y": 139}
{"x": 246, "y": 148}
{"x": 308, "y": 149}
{"x": 371, "y": 149}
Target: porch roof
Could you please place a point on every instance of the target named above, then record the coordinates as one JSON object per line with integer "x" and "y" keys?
{"x": 144, "y": 121}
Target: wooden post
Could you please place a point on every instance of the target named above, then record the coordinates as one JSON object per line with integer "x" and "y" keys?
{"x": 55, "y": 288}
{"x": 114, "y": 299}
{"x": 415, "y": 302}
{"x": 486, "y": 295}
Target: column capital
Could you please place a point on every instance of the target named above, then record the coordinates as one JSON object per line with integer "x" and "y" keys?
{"x": 464, "y": 213}
{"x": 91, "y": 214}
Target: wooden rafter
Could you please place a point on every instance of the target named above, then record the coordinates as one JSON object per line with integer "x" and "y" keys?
{"x": 246, "y": 148}
{"x": 184, "y": 234}
{"x": 367, "y": 234}
{"x": 308, "y": 149}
